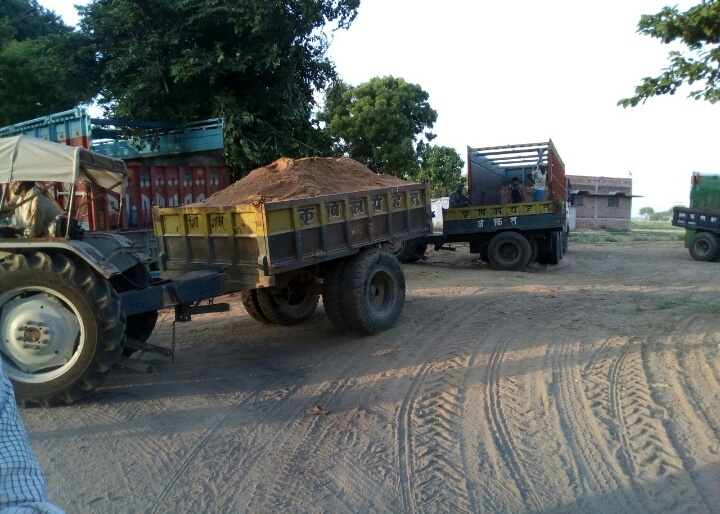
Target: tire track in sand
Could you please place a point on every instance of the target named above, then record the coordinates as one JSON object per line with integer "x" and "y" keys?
{"x": 432, "y": 466}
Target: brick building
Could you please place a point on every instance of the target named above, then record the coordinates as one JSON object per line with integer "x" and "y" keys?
{"x": 600, "y": 202}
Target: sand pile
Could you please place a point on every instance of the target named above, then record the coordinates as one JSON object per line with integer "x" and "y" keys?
{"x": 289, "y": 179}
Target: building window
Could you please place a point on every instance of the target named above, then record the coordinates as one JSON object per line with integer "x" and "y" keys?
{"x": 613, "y": 201}
{"x": 576, "y": 201}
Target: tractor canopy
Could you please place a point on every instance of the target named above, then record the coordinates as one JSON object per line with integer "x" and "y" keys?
{"x": 26, "y": 158}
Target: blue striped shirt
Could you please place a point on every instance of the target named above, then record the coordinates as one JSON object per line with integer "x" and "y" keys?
{"x": 22, "y": 483}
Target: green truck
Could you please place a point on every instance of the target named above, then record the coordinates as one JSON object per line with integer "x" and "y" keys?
{"x": 702, "y": 219}
{"x": 508, "y": 235}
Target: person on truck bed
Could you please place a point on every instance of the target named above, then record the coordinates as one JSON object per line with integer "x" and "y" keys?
{"x": 35, "y": 213}
{"x": 539, "y": 179}
{"x": 516, "y": 194}
{"x": 458, "y": 199}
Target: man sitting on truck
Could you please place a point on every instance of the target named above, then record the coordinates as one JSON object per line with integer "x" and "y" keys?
{"x": 539, "y": 179}
{"x": 35, "y": 214}
{"x": 516, "y": 194}
{"x": 458, "y": 199}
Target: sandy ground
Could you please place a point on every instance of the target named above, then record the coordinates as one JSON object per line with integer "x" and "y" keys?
{"x": 592, "y": 386}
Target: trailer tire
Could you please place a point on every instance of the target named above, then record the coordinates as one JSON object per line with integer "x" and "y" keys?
{"x": 704, "y": 247}
{"x": 373, "y": 291}
{"x": 84, "y": 327}
{"x": 407, "y": 251}
{"x": 332, "y": 294}
{"x": 250, "y": 302}
{"x": 509, "y": 251}
{"x": 289, "y": 305}
{"x": 138, "y": 326}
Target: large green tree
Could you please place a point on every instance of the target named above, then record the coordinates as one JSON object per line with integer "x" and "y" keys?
{"x": 442, "y": 167}
{"x": 30, "y": 20}
{"x": 257, "y": 63}
{"x": 384, "y": 123}
{"x": 45, "y": 67}
{"x": 698, "y": 29}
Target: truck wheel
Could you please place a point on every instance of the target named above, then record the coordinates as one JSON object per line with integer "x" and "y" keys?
{"x": 509, "y": 251}
{"x": 138, "y": 326}
{"x": 704, "y": 247}
{"x": 62, "y": 328}
{"x": 554, "y": 255}
{"x": 533, "y": 252}
{"x": 373, "y": 291}
{"x": 250, "y": 302}
{"x": 332, "y": 294}
{"x": 290, "y": 305}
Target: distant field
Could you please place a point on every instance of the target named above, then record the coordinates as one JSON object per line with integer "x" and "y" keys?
{"x": 640, "y": 231}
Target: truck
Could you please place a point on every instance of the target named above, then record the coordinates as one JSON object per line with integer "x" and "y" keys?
{"x": 702, "y": 219}
{"x": 507, "y": 235}
{"x": 70, "y": 309}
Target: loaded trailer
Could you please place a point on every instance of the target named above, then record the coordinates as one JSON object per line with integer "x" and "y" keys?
{"x": 70, "y": 309}
{"x": 506, "y": 234}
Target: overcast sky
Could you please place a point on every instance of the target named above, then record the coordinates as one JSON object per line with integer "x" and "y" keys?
{"x": 525, "y": 71}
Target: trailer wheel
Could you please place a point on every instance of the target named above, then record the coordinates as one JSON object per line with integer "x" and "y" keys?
{"x": 62, "y": 327}
{"x": 250, "y": 302}
{"x": 373, "y": 291}
{"x": 290, "y": 305}
{"x": 704, "y": 247}
{"x": 406, "y": 251}
{"x": 332, "y": 294}
{"x": 138, "y": 326}
{"x": 509, "y": 251}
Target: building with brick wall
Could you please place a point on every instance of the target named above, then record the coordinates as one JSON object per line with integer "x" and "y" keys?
{"x": 600, "y": 202}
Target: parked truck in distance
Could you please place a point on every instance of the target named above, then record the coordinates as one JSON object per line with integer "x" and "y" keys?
{"x": 702, "y": 219}
{"x": 71, "y": 309}
{"x": 508, "y": 235}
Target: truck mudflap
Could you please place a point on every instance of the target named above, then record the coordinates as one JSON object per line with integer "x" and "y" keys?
{"x": 185, "y": 289}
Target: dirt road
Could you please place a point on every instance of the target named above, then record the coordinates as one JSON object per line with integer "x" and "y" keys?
{"x": 592, "y": 386}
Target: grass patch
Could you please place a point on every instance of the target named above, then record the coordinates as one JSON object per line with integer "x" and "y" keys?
{"x": 640, "y": 232}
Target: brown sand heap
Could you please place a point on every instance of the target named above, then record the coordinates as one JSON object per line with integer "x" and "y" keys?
{"x": 289, "y": 179}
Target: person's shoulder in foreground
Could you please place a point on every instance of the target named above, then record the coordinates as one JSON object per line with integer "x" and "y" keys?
{"x": 22, "y": 483}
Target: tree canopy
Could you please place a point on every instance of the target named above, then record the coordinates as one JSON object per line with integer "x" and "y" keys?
{"x": 256, "y": 63}
{"x": 384, "y": 123}
{"x": 45, "y": 67}
{"x": 698, "y": 29}
{"x": 442, "y": 167}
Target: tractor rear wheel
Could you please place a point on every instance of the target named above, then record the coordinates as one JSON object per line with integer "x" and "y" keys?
{"x": 62, "y": 327}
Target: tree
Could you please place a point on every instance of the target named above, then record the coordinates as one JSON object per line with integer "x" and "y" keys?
{"x": 44, "y": 66}
{"x": 442, "y": 167}
{"x": 646, "y": 212}
{"x": 383, "y": 123}
{"x": 29, "y": 20}
{"x": 698, "y": 28}
{"x": 256, "y": 63}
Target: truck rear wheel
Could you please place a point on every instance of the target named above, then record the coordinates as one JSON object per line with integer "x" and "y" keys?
{"x": 290, "y": 305}
{"x": 373, "y": 291}
{"x": 250, "y": 302}
{"x": 704, "y": 247}
{"x": 509, "y": 251}
{"x": 555, "y": 250}
{"x": 61, "y": 327}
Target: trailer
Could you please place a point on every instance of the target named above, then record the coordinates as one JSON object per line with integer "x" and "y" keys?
{"x": 70, "y": 309}
{"x": 702, "y": 219}
{"x": 508, "y": 235}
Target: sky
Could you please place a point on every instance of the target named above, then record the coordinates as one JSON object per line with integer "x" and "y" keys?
{"x": 502, "y": 73}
